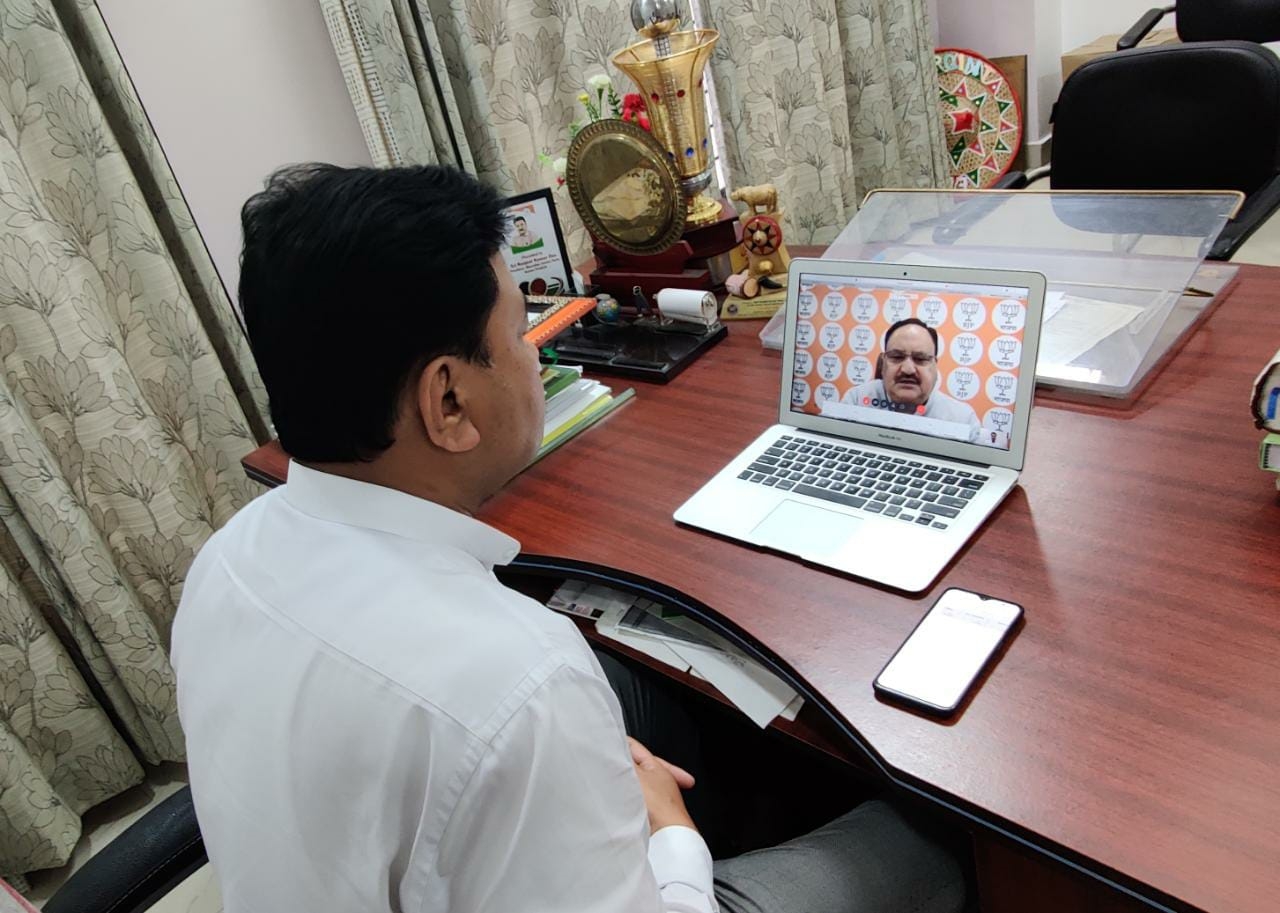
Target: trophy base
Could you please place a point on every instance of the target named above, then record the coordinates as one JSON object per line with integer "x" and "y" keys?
{"x": 692, "y": 262}
{"x": 645, "y": 349}
{"x": 703, "y": 210}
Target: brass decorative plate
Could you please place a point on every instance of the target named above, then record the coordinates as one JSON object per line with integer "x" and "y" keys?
{"x": 624, "y": 187}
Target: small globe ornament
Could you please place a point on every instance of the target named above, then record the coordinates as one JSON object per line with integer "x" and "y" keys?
{"x": 607, "y": 309}
{"x": 652, "y": 18}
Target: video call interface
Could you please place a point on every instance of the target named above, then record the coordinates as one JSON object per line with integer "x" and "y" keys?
{"x": 950, "y": 368}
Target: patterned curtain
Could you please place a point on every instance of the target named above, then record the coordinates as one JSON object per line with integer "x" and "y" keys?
{"x": 127, "y": 397}
{"x": 487, "y": 85}
{"x": 827, "y": 99}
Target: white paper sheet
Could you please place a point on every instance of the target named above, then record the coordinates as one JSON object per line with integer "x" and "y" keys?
{"x": 646, "y": 645}
{"x": 751, "y": 688}
{"x": 1053, "y": 302}
{"x": 1079, "y": 325}
{"x": 790, "y": 711}
{"x": 748, "y": 685}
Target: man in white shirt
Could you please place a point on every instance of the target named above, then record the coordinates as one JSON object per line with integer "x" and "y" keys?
{"x": 907, "y": 379}
{"x": 374, "y": 723}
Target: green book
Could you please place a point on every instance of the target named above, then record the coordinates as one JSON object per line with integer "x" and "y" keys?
{"x": 594, "y": 413}
{"x": 556, "y": 377}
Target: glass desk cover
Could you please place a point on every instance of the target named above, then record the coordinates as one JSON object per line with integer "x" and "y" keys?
{"x": 1125, "y": 270}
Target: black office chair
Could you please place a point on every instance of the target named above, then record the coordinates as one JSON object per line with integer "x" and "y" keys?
{"x": 1203, "y": 116}
{"x": 1211, "y": 20}
{"x": 132, "y": 872}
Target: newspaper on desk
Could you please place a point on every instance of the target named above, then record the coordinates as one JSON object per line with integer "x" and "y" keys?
{"x": 682, "y": 644}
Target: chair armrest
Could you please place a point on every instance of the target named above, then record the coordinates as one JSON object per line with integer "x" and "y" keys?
{"x": 1139, "y": 30}
{"x": 1020, "y": 180}
{"x": 1011, "y": 180}
{"x": 1260, "y": 205}
{"x": 140, "y": 866}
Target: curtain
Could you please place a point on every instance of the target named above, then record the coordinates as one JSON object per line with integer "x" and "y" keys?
{"x": 488, "y": 85}
{"x": 127, "y": 397}
{"x": 827, "y": 99}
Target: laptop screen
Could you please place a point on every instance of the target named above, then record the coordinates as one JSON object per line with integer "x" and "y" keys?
{"x": 941, "y": 359}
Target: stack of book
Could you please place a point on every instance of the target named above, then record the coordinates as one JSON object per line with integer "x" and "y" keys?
{"x": 574, "y": 404}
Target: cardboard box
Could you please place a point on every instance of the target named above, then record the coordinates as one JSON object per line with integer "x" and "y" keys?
{"x": 1073, "y": 59}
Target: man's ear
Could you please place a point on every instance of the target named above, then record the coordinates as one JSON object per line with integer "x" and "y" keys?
{"x": 444, "y": 404}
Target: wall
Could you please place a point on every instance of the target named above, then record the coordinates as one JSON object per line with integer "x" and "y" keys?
{"x": 235, "y": 88}
{"x": 1085, "y": 20}
{"x": 1041, "y": 29}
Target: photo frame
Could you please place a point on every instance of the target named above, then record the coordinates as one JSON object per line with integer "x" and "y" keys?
{"x": 535, "y": 251}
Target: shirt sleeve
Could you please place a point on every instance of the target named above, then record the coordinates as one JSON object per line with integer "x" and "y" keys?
{"x": 553, "y": 821}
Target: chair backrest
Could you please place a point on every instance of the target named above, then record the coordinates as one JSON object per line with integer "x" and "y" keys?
{"x": 1204, "y": 116}
{"x": 1223, "y": 20}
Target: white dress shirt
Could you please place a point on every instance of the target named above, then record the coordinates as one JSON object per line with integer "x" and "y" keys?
{"x": 375, "y": 723}
{"x": 938, "y": 405}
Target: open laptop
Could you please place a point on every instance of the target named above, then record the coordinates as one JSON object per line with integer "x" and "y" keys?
{"x": 886, "y": 459}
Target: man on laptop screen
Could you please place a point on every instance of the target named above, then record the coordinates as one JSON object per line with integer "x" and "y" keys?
{"x": 907, "y": 381}
{"x": 910, "y": 355}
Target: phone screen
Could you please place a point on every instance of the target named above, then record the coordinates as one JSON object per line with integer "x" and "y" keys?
{"x": 944, "y": 654}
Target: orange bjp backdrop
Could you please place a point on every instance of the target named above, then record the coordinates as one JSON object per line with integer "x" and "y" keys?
{"x": 840, "y": 334}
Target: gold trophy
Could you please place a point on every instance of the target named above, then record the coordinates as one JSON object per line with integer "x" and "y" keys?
{"x": 642, "y": 193}
{"x": 668, "y": 68}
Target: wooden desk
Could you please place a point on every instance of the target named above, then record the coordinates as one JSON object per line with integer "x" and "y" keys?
{"x": 1133, "y": 727}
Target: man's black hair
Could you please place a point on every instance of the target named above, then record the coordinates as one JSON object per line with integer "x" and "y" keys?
{"x": 907, "y": 322}
{"x": 912, "y": 322}
{"x": 351, "y": 281}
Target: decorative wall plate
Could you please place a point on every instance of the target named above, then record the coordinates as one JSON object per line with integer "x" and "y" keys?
{"x": 981, "y": 117}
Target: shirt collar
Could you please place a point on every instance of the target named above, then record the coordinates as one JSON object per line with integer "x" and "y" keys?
{"x": 341, "y": 500}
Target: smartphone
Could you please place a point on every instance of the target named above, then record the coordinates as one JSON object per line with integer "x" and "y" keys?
{"x": 941, "y": 659}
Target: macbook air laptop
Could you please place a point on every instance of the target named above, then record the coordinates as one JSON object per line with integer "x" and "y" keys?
{"x": 902, "y": 420}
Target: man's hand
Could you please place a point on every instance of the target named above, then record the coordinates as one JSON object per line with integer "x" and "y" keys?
{"x": 661, "y": 783}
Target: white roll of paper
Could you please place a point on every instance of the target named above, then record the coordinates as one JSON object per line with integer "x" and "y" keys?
{"x": 688, "y": 305}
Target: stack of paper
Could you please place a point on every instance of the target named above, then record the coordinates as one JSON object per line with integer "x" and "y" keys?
{"x": 684, "y": 645}
{"x": 574, "y": 404}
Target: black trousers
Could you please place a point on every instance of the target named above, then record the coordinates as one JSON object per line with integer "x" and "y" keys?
{"x": 868, "y": 860}
{"x": 655, "y": 716}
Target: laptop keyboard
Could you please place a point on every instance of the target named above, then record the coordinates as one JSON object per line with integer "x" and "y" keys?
{"x": 914, "y": 491}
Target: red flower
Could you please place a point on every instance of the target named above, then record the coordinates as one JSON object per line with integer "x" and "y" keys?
{"x": 633, "y": 109}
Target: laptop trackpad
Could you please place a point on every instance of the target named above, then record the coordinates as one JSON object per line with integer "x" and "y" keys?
{"x": 805, "y": 530}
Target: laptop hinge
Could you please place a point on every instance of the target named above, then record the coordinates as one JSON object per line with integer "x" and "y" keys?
{"x": 899, "y": 449}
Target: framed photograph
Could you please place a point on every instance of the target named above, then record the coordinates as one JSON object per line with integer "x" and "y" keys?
{"x": 535, "y": 251}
